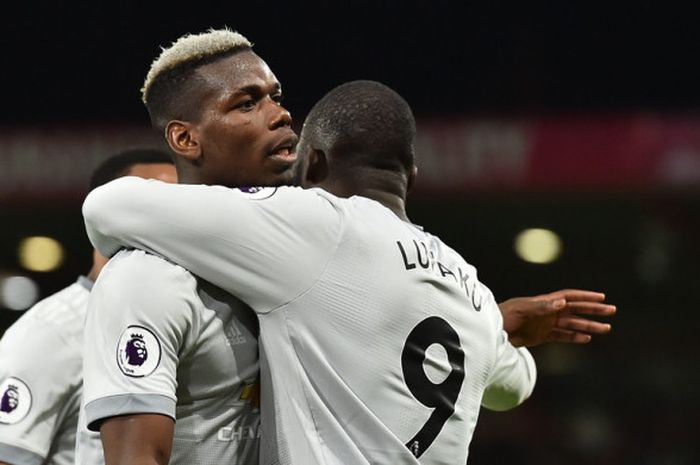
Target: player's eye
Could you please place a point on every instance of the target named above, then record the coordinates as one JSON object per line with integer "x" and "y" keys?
{"x": 278, "y": 98}
{"x": 247, "y": 104}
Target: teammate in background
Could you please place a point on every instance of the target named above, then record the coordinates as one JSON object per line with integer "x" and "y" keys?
{"x": 378, "y": 343}
{"x": 171, "y": 363}
{"x": 41, "y": 353}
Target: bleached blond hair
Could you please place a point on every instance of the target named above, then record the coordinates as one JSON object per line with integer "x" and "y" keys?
{"x": 192, "y": 48}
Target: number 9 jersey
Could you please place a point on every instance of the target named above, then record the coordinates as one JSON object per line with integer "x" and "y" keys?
{"x": 378, "y": 343}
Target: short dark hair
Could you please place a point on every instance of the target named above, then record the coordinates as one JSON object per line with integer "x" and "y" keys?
{"x": 118, "y": 165}
{"x": 172, "y": 89}
{"x": 177, "y": 92}
{"x": 364, "y": 123}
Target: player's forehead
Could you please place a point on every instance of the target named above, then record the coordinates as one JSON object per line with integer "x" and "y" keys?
{"x": 239, "y": 72}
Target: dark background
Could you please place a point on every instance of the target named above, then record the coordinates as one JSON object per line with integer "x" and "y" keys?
{"x": 630, "y": 397}
{"x": 85, "y": 61}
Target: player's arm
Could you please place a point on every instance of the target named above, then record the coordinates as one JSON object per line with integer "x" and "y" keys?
{"x": 39, "y": 384}
{"x": 513, "y": 378}
{"x": 140, "y": 312}
{"x": 149, "y": 438}
{"x": 263, "y": 250}
{"x": 513, "y": 374}
{"x": 561, "y": 316}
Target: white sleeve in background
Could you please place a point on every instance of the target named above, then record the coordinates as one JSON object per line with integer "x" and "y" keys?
{"x": 513, "y": 375}
{"x": 139, "y": 315}
{"x": 266, "y": 247}
{"x": 40, "y": 373}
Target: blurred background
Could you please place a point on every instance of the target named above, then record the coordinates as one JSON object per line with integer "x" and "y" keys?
{"x": 559, "y": 146}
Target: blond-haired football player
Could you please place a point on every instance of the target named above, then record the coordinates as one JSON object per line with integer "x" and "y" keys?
{"x": 171, "y": 361}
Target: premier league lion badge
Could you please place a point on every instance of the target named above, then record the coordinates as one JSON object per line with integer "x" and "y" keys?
{"x": 258, "y": 193}
{"x": 139, "y": 352}
{"x": 15, "y": 402}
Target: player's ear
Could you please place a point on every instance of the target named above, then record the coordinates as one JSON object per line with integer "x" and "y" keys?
{"x": 182, "y": 139}
{"x": 317, "y": 168}
{"x": 411, "y": 177}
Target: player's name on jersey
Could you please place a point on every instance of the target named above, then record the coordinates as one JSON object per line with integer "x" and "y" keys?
{"x": 416, "y": 256}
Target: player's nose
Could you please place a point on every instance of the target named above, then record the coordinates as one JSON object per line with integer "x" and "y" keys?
{"x": 280, "y": 117}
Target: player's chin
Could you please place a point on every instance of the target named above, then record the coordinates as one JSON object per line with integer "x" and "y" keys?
{"x": 285, "y": 178}
{"x": 281, "y": 174}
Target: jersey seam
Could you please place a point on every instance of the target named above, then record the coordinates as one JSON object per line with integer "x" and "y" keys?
{"x": 300, "y": 369}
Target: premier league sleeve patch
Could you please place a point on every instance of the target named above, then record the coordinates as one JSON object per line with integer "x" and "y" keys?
{"x": 16, "y": 400}
{"x": 258, "y": 193}
{"x": 138, "y": 352}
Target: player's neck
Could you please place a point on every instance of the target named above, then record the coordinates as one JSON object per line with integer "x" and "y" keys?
{"x": 98, "y": 262}
{"x": 393, "y": 202}
{"x": 185, "y": 176}
{"x": 388, "y": 190}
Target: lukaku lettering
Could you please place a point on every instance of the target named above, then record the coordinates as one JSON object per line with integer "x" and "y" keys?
{"x": 416, "y": 256}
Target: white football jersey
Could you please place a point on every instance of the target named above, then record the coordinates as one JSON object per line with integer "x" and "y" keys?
{"x": 41, "y": 381}
{"x": 158, "y": 340}
{"x": 378, "y": 343}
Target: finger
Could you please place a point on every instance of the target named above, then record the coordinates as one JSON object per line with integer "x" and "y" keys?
{"x": 535, "y": 307}
{"x": 571, "y": 337}
{"x": 553, "y": 306}
{"x": 590, "y": 308}
{"x": 576, "y": 294}
{"x": 582, "y": 325}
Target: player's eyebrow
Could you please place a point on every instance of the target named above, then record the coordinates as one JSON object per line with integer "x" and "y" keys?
{"x": 254, "y": 90}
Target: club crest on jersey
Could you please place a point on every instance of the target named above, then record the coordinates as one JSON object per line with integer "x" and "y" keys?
{"x": 258, "y": 193}
{"x": 139, "y": 352}
{"x": 15, "y": 402}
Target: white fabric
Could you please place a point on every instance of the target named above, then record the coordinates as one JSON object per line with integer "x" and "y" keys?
{"x": 361, "y": 315}
{"x": 43, "y": 349}
{"x": 198, "y": 360}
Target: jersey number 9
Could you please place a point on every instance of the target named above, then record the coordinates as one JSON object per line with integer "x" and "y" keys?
{"x": 441, "y": 397}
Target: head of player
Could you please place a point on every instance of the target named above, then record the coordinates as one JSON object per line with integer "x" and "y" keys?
{"x": 142, "y": 162}
{"x": 219, "y": 107}
{"x": 359, "y": 140}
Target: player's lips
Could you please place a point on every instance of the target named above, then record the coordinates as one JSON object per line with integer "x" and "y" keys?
{"x": 285, "y": 149}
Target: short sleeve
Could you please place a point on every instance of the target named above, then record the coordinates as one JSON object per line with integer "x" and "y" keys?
{"x": 32, "y": 409}
{"x": 139, "y": 316}
{"x": 512, "y": 378}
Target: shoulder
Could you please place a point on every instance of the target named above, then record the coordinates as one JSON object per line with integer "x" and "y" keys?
{"x": 45, "y": 344}
{"x": 293, "y": 197}
{"x": 137, "y": 272}
{"x": 57, "y": 318}
{"x": 138, "y": 287}
{"x": 288, "y": 215}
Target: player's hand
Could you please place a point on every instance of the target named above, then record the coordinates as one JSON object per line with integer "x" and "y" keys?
{"x": 561, "y": 316}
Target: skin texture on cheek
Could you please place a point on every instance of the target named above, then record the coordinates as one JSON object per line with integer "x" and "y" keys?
{"x": 241, "y": 125}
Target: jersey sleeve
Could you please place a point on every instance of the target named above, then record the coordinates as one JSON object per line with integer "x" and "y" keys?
{"x": 140, "y": 314}
{"x": 34, "y": 388}
{"x": 514, "y": 373}
{"x": 266, "y": 247}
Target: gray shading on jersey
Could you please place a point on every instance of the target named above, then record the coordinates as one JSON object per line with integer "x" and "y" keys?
{"x": 216, "y": 421}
